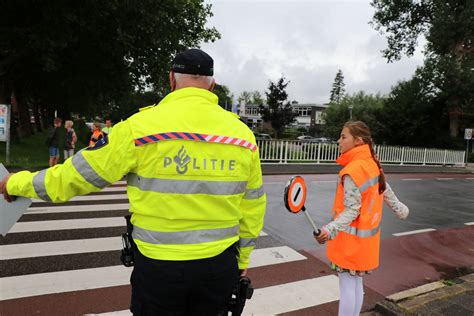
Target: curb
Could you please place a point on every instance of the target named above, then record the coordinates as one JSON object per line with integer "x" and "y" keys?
{"x": 408, "y": 302}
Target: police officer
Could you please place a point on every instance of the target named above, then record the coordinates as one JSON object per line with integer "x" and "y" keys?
{"x": 195, "y": 189}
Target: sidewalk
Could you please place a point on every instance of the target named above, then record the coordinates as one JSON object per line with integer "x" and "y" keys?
{"x": 306, "y": 168}
{"x": 447, "y": 297}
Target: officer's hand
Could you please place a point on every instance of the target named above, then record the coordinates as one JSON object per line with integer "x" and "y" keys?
{"x": 243, "y": 272}
{"x": 322, "y": 237}
{"x": 3, "y": 190}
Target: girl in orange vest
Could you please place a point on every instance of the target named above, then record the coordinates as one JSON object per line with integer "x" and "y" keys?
{"x": 354, "y": 234}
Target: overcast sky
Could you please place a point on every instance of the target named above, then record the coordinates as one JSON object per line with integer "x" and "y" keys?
{"x": 307, "y": 42}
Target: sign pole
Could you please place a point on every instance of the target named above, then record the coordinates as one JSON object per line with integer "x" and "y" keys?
{"x": 7, "y": 132}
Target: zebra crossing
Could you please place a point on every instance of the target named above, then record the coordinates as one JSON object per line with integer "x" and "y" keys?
{"x": 63, "y": 259}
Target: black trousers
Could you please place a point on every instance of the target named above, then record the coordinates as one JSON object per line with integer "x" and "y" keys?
{"x": 196, "y": 287}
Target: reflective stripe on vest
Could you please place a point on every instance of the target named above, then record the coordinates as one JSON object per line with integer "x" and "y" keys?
{"x": 247, "y": 242}
{"x": 368, "y": 183}
{"x": 185, "y": 237}
{"x": 87, "y": 172}
{"x": 186, "y": 186}
{"x": 362, "y": 233}
{"x": 39, "y": 186}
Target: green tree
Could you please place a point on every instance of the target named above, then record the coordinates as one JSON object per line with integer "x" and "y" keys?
{"x": 338, "y": 90}
{"x": 449, "y": 29}
{"x": 225, "y": 96}
{"x": 278, "y": 110}
{"x": 366, "y": 107}
{"x": 251, "y": 97}
{"x": 81, "y": 56}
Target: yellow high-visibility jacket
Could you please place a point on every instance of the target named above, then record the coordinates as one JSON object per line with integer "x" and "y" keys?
{"x": 193, "y": 178}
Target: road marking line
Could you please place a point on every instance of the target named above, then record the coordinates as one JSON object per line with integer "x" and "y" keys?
{"x": 262, "y": 233}
{"x": 274, "y": 182}
{"x": 83, "y": 279}
{"x": 283, "y": 298}
{"x": 293, "y": 296}
{"x": 274, "y": 255}
{"x": 469, "y": 178}
{"x": 412, "y": 179}
{"x": 62, "y": 247}
{"x": 77, "y": 208}
{"x": 107, "y": 189}
{"x": 444, "y": 178}
{"x": 91, "y": 198}
{"x": 414, "y": 232}
{"x": 471, "y": 223}
{"x": 38, "y": 226}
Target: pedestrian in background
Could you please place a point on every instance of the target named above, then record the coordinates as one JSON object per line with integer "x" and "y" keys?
{"x": 52, "y": 141}
{"x": 108, "y": 127}
{"x": 96, "y": 135}
{"x": 354, "y": 234}
{"x": 70, "y": 140}
{"x": 195, "y": 189}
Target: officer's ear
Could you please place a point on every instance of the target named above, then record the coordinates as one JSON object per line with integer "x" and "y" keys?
{"x": 172, "y": 81}
{"x": 213, "y": 85}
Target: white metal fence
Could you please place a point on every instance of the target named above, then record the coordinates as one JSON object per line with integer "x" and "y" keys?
{"x": 277, "y": 151}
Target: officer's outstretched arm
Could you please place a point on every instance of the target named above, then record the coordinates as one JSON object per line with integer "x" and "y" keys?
{"x": 253, "y": 211}
{"x": 89, "y": 170}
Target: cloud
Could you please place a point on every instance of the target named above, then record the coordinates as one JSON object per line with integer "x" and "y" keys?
{"x": 307, "y": 42}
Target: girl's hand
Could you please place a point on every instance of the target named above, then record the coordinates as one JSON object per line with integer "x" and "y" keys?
{"x": 322, "y": 237}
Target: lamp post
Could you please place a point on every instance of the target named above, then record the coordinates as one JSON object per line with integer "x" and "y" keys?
{"x": 350, "y": 111}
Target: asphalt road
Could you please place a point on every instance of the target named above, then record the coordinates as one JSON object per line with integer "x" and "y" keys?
{"x": 436, "y": 201}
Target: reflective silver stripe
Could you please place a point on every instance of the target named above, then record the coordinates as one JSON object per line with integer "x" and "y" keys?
{"x": 39, "y": 186}
{"x": 186, "y": 186}
{"x": 254, "y": 193}
{"x": 247, "y": 242}
{"x": 363, "y": 233}
{"x": 186, "y": 237}
{"x": 367, "y": 184}
{"x": 87, "y": 172}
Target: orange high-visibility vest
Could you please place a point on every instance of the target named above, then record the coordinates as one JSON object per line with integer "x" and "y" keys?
{"x": 357, "y": 248}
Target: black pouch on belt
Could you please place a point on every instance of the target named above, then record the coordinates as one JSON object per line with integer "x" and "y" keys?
{"x": 128, "y": 245}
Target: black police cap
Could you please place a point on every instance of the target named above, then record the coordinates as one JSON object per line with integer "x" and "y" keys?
{"x": 194, "y": 62}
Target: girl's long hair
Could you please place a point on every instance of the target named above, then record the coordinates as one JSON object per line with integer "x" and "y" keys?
{"x": 360, "y": 129}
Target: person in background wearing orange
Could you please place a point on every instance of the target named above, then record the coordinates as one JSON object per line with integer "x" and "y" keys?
{"x": 108, "y": 127}
{"x": 70, "y": 139}
{"x": 97, "y": 134}
{"x": 354, "y": 234}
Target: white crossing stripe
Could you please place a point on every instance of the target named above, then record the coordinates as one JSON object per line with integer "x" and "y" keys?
{"x": 67, "y": 247}
{"x": 83, "y": 279}
{"x": 414, "y": 232}
{"x": 108, "y": 189}
{"x": 77, "y": 208}
{"x": 411, "y": 179}
{"x": 471, "y": 223}
{"x": 61, "y": 247}
{"x": 293, "y": 296}
{"x": 283, "y": 298}
{"x": 444, "y": 178}
{"x": 63, "y": 281}
{"x": 273, "y": 255}
{"x": 469, "y": 178}
{"x": 22, "y": 227}
{"x": 92, "y": 198}
{"x": 262, "y": 233}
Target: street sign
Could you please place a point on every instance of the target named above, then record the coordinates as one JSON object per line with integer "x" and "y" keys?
{"x": 3, "y": 122}
{"x": 468, "y": 134}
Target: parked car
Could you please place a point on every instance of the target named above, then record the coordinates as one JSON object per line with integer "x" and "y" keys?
{"x": 262, "y": 136}
{"x": 306, "y": 139}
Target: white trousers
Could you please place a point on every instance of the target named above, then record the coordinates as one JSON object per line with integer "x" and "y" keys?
{"x": 351, "y": 290}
